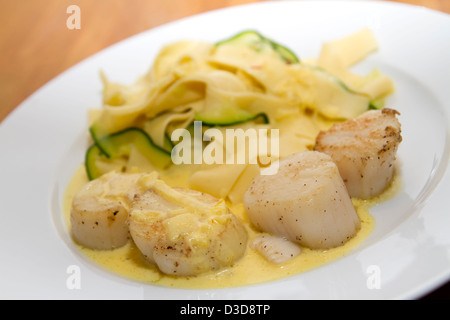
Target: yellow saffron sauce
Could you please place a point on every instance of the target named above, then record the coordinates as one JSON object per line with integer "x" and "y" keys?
{"x": 253, "y": 268}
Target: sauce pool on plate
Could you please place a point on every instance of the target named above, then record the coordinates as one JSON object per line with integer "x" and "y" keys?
{"x": 253, "y": 268}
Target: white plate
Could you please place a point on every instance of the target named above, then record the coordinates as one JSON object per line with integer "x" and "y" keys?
{"x": 43, "y": 141}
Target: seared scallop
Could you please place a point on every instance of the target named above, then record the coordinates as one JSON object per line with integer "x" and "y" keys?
{"x": 306, "y": 202}
{"x": 99, "y": 211}
{"x": 185, "y": 232}
{"x": 275, "y": 249}
{"x": 364, "y": 150}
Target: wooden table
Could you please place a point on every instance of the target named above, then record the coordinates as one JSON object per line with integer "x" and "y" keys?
{"x": 36, "y": 45}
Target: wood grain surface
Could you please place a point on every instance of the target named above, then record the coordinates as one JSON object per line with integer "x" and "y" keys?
{"x": 36, "y": 45}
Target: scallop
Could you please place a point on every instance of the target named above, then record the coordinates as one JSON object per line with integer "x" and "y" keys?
{"x": 100, "y": 210}
{"x": 305, "y": 202}
{"x": 364, "y": 150}
{"x": 185, "y": 232}
{"x": 275, "y": 249}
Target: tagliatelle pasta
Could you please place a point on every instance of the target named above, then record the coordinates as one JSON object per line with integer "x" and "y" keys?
{"x": 239, "y": 83}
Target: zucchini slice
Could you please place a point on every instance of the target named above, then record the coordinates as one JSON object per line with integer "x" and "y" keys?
{"x": 259, "y": 43}
{"x": 334, "y": 99}
{"x": 114, "y": 148}
{"x": 228, "y": 116}
{"x": 98, "y": 164}
{"x": 93, "y": 156}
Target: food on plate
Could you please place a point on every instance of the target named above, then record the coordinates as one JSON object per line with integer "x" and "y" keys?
{"x": 364, "y": 150}
{"x": 306, "y": 202}
{"x": 185, "y": 232}
{"x": 199, "y": 223}
{"x": 99, "y": 212}
{"x": 120, "y": 146}
{"x": 275, "y": 249}
{"x": 246, "y": 81}
{"x": 257, "y": 42}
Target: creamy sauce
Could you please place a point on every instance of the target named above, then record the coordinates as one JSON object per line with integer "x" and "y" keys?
{"x": 127, "y": 261}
